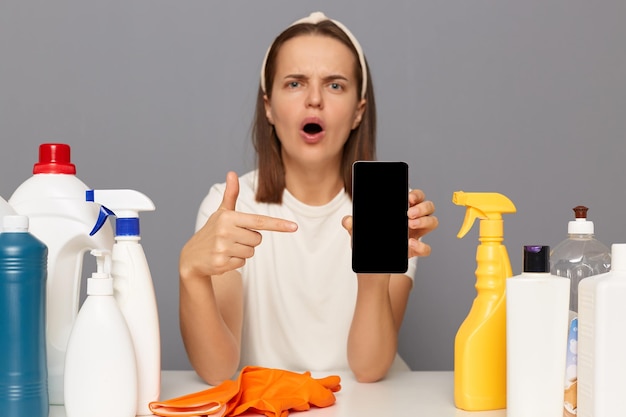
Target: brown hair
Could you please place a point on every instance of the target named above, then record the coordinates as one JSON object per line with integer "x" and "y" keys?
{"x": 361, "y": 145}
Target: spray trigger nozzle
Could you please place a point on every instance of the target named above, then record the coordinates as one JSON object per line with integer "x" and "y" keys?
{"x": 483, "y": 206}
{"x": 102, "y": 218}
{"x": 124, "y": 204}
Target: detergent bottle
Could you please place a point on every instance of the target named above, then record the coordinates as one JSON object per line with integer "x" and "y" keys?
{"x": 100, "y": 366}
{"x": 480, "y": 343}
{"x": 579, "y": 256}
{"x": 133, "y": 286}
{"x": 23, "y": 371}
{"x": 53, "y": 198}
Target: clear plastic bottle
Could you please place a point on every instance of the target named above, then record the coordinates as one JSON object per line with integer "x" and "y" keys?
{"x": 580, "y": 255}
{"x": 577, "y": 257}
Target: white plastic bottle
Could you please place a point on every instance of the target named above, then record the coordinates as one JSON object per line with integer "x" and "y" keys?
{"x": 536, "y": 331}
{"x": 100, "y": 368}
{"x": 134, "y": 289}
{"x": 53, "y": 198}
{"x": 5, "y": 209}
{"x": 601, "y": 340}
{"x": 578, "y": 256}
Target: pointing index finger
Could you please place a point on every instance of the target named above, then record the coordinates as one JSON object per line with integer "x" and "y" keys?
{"x": 260, "y": 222}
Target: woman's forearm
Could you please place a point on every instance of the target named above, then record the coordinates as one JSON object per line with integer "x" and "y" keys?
{"x": 373, "y": 338}
{"x": 212, "y": 347}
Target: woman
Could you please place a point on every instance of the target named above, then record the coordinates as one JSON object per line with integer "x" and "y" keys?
{"x": 266, "y": 279}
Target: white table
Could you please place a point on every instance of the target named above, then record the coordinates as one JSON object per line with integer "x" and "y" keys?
{"x": 410, "y": 394}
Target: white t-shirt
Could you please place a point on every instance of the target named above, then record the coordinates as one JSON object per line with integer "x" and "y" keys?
{"x": 299, "y": 288}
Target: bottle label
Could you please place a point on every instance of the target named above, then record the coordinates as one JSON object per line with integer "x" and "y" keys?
{"x": 570, "y": 402}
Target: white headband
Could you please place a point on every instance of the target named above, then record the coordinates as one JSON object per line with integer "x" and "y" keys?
{"x": 315, "y": 18}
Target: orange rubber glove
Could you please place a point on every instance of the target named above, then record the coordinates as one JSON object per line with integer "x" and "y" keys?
{"x": 210, "y": 402}
{"x": 272, "y": 392}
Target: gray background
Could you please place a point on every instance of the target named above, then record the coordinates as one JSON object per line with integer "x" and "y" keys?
{"x": 525, "y": 98}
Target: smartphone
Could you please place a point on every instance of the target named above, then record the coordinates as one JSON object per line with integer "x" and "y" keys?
{"x": 380, "y": 200}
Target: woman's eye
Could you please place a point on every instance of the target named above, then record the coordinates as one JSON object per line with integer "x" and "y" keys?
{"x": 335, "y": 86}
{"x": 294, "y": 84}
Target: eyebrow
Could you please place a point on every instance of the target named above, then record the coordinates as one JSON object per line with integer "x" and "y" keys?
{"x": 332, "y": 77}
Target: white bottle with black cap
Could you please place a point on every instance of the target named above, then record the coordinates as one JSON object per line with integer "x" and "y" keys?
{"x": 537, "y": 307}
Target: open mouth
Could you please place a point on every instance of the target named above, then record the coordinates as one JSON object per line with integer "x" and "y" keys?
{"x": 312, "y": 128}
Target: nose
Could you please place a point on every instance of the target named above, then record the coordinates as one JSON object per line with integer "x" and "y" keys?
{"x": 314, "y": 96}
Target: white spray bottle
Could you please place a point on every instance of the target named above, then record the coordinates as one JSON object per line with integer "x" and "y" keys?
{"x": 134, "y": 289}
{"x": 53, "y": 198}
{"x": 100, "y": 366}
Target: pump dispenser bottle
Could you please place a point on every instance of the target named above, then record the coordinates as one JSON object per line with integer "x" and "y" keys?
{"x": 100, "y": 368}
{"x": 577, "y": 257}
{"x": 480, "y": 343}
{"x": 536, "y": 330}
{"x": 134, "y": 289}
{"x": 601, "y": 340}
{"x": 53, "y": 198}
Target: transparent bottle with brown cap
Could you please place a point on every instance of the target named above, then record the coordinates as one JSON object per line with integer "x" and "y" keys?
{"x": 578, "y": 256}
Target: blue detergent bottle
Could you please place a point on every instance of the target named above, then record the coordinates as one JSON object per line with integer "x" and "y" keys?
{"x": 23, "y": 367}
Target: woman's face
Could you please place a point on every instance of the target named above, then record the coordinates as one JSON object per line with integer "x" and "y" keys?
{"x": 315, "y": 100}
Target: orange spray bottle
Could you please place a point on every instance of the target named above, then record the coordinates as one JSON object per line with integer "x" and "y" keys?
{"x": 480, "y": 343}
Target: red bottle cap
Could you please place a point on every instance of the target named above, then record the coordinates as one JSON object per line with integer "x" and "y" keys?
{"x": 54, "y": 158}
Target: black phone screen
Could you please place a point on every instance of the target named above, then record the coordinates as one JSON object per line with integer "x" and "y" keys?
{"x": 380, "y": 202}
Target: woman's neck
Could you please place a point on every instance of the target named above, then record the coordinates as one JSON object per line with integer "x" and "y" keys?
{"x": 314, "y": 187}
